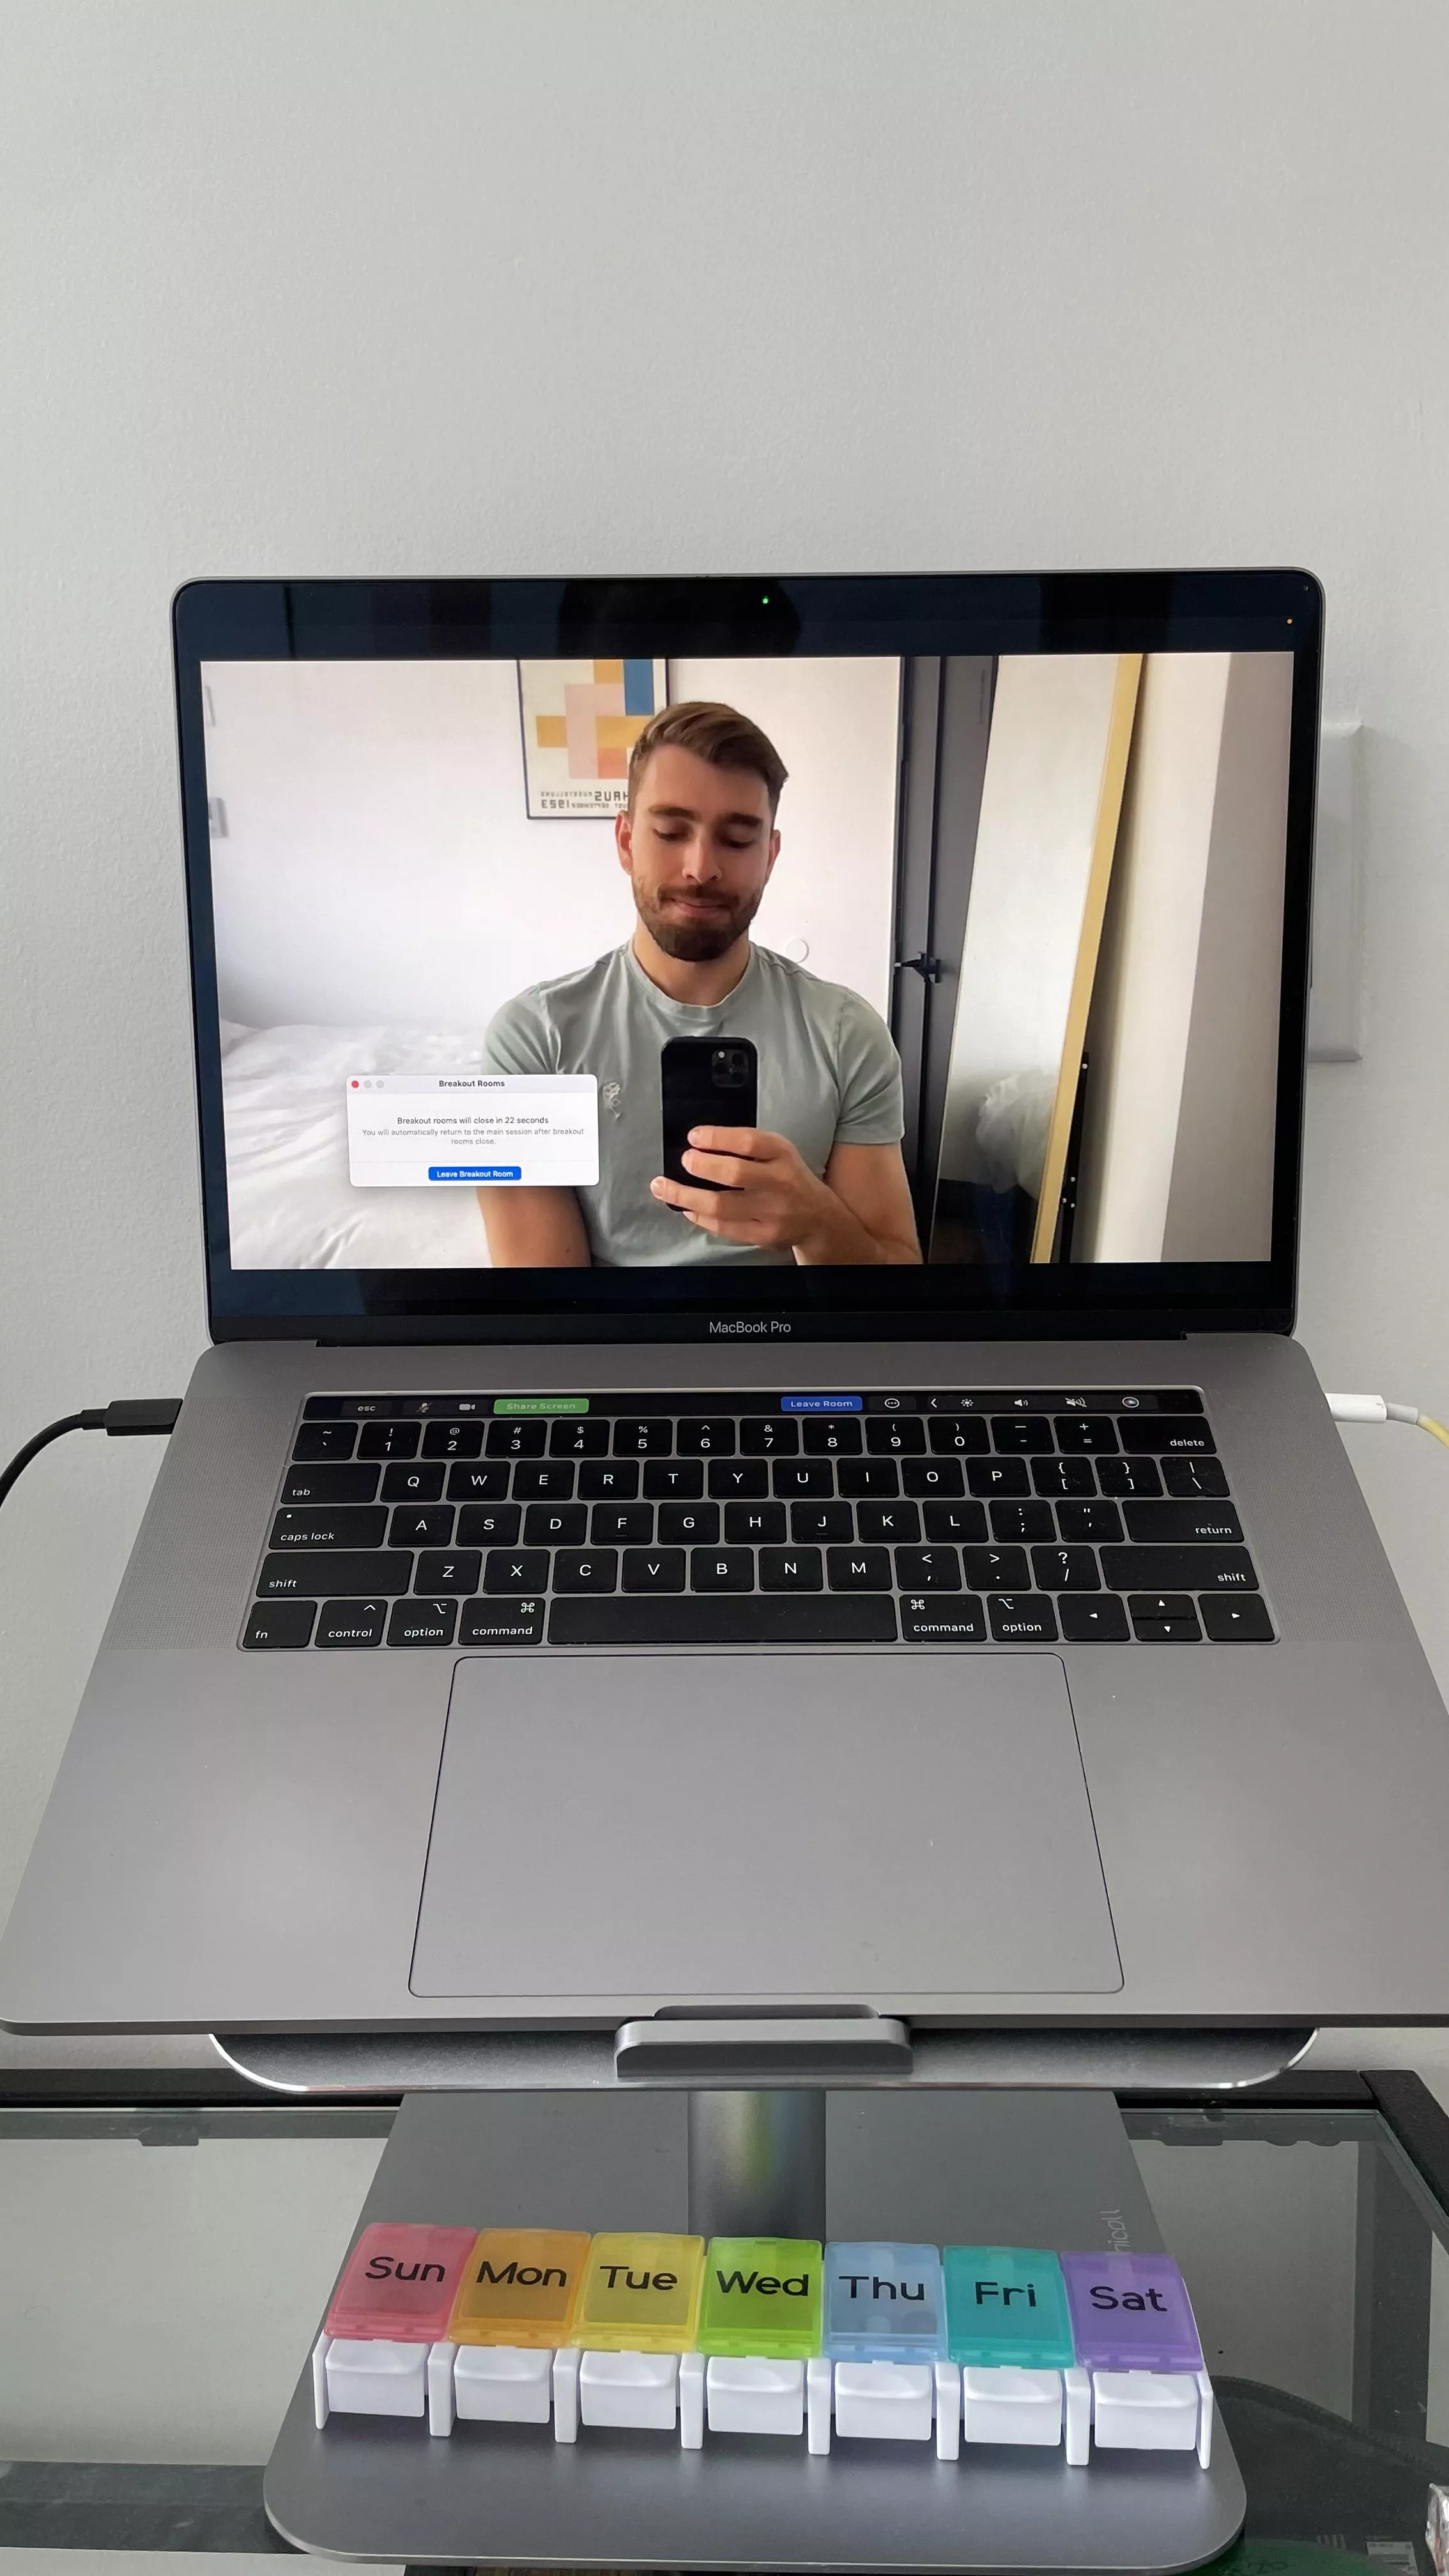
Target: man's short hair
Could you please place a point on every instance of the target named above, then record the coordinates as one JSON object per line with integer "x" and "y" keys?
{"x": 718, "y": 734}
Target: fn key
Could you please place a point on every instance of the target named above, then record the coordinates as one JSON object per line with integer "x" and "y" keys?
{"x": 280, "y": 1623}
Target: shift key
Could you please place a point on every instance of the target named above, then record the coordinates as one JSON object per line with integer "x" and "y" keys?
{"x": 1178, "y": 1569}
{"x": 310, "y": 1572}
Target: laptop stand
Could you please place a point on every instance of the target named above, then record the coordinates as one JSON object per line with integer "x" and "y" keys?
{"x": 1005, "y": 2168}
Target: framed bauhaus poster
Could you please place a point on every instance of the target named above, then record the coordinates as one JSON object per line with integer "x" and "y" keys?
{"x": 580, "y": 721}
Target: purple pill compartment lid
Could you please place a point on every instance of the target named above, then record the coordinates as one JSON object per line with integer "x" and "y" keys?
{"x": 1130, "y": 2312}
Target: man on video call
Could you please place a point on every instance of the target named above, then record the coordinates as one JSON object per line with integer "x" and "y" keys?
{"x": 821, "y": 1178}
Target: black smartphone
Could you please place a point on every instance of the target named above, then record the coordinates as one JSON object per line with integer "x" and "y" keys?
{"x": 705, "y": 1082}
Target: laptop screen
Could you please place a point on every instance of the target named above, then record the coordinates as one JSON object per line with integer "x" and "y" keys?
{"x": 863, "y": 978}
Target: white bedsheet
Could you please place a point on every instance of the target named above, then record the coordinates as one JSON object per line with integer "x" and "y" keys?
{"x": 292, "y": 1205}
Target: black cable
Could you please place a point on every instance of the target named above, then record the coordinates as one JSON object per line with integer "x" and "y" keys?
{"x": 70, "y": 1422}
{"x": 127, "y": 1419}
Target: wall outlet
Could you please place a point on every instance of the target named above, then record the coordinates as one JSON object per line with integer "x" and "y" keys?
{"x": 1335, "y": 1001}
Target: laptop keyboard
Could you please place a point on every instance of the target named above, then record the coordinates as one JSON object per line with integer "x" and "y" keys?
{"x": 943, "y": 1517}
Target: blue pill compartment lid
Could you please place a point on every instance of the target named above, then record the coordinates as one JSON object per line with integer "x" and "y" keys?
{"x": 884, "y": 2302}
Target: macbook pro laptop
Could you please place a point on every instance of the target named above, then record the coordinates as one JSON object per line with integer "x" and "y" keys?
{"x": 751, "y": 1461}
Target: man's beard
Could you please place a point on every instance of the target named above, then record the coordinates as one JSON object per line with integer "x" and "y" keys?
{"x": 696, "y": 938}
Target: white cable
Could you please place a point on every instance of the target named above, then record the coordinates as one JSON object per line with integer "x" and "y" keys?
{"x": 1357, "y": 1408}
{"x": 1373, "y": 1408}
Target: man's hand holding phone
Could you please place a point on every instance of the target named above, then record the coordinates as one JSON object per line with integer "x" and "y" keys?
{"x": 775, "y": 1201}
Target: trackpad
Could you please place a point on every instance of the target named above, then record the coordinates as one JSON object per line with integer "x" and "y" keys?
{"x": 638, "y": 1829}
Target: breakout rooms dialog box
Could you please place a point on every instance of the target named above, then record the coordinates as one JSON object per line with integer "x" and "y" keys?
{"x": 405, "y": 1130}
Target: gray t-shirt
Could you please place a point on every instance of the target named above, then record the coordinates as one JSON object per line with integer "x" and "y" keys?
{"x": 828, "y": 1074}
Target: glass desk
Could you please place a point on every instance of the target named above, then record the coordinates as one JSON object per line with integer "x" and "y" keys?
{"x": 164, "y": 2267}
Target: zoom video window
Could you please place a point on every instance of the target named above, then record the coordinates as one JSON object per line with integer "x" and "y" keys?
{"x": 726, "y": 963}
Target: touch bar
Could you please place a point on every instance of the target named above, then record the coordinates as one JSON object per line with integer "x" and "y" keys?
{"x": 749, "y": 1619}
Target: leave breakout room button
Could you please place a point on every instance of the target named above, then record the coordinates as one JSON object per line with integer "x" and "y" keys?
{"x": 475, "y": 1171}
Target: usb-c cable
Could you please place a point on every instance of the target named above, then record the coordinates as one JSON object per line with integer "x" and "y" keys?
{"x": 126, "y": 1420}
{"x": 1373, "y": 1408}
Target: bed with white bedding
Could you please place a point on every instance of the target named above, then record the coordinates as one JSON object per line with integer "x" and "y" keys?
{"x": 291, "y": 1202}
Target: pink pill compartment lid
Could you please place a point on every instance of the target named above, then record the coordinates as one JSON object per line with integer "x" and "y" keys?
{"x": 399, "y": 2284}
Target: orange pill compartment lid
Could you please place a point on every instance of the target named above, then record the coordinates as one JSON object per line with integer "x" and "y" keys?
{"x": 519, "y": 2287}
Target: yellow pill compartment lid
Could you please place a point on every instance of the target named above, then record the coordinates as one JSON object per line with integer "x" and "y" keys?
{"x": 640, "y": 2294}
{"x": 520, "y": 2286}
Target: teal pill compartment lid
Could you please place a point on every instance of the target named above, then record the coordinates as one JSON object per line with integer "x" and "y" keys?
{"x": 1006, "y": 2308}
{"x": 884, "y": 2302}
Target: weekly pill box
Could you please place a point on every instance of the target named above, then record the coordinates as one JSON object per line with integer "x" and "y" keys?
{"x": 872, "y": 2339}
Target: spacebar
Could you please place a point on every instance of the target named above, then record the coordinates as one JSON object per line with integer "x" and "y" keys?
{"x": 724, "y": 1619}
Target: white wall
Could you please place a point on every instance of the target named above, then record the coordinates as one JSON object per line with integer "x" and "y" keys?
{"x": 379, "y": 864}
{"x": 389, "y": 286}
{"x": 1221, "y": 1202}
{"x": 836, "y": 726}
